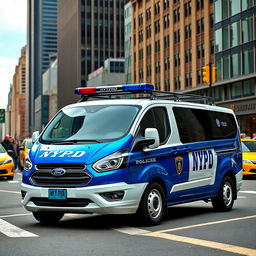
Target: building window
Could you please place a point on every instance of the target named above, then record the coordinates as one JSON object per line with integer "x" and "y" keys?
{"x": 166, "y": 41}
{"x": 212, "y": 46}
{"x": 157, "y": 46}
{"x": 176, "y": 36}
{"x": 235, "y": 34}
{"x": 218, "y": 6}
{"x": 140, "y": 36}
{"x": 199, "y": 76}
{"x": 248, "y": 63}
{"x": 247, "y": 29}
{"x": 157, "y": 8}
{"x": 166, "y": 21}
{"x": 199, "y": 4}
{"x": 148, "y": 14}
{"x": 188, "y": 31}
{"x": 226, "y": 67}
{"x": 200, "y": 26}
{"x": 218, "y": 40}
{"x": 176, "y": 15}
{"x": 211, "y": 20}
{"x": 148, "y": 31}
{"x": 157, "y": 26}
{"x": 187, "y": 8}
{"x": 226, "y": 36}
{"x": 166, "y": 4}
{"x": 235, "y": 7}
{"x": 235, "y": 65}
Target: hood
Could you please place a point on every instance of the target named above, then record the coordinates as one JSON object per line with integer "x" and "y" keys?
{"x": 3, "y": 157}
{"x": 76, "y": 153}
{"x": 249, "y": 155}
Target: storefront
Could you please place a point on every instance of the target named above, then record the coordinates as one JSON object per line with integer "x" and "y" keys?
{"x": 245, "y": 111}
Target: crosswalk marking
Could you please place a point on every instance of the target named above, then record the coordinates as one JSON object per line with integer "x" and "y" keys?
{"x": 12, "y": 231}
{"x": 248, "y": 191}
{"x": 131, "y": 230}
{"x": 13, "y": 181}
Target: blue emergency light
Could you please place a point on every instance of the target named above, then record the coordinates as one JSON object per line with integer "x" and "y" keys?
{"x": 114, "y": 88}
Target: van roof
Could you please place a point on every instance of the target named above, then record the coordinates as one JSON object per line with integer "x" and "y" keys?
{"x": 147, "y": 102}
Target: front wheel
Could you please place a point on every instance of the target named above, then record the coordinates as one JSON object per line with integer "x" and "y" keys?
{"x": 225, "y": 199}
{"x": 153, "y": 205}
{"x": 48, "y": 217}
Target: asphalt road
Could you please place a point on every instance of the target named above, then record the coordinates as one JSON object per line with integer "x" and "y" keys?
{"x": 192, "y": 229}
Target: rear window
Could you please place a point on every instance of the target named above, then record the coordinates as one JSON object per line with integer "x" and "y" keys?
{"x": 196, "y": 125}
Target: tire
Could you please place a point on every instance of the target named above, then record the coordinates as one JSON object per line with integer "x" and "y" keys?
{"x": 10, "y": 177}
{"x": 48, "y": 217}
{"x": 152, "y": 205}
{"x": 225, "y": 199}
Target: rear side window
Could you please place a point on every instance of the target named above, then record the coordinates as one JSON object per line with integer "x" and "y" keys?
{"x": 201, "y": 125}
{"x": 156, "y": 118}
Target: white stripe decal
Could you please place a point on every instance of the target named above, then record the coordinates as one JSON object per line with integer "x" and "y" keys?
{"x": 15, "y": 215}
{"x": 131, "y": 231}
{"x": 12, "y": 231}
{"x": 248, "y": 192}
{"x": 13, "y": 181}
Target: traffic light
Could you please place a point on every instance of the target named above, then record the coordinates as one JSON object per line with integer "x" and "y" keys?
{"x": 213, "y": 74}
{"x": 206, "y": 74}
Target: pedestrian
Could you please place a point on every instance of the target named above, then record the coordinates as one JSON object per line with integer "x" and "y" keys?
{"x": 8, "y": 145}
{"x": 254, "y": 136}
{"x": 15, "y": 151}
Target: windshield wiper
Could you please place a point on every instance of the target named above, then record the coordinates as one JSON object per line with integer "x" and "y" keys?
{"x": 69, "y": 142}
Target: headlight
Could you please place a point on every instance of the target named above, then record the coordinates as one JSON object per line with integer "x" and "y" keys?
{"x": 8, "y": 161}
{"x": 115, "y": 161}
{"x": 27, "y": 164}
{"x": 247, "y": 161}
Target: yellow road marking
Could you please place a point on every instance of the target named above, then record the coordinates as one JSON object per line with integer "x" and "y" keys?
{"x": 205, "y": 243}
{"x": 200, "y": 242}
{"x": 207, "y": 223}
{"x": 9, "y": 191}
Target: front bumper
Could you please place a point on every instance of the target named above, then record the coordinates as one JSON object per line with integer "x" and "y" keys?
{"x": 249, "y": 169}
{"x": 239, "y": 180}
{"x": 7, "y": 170}
{"x": 129, "y": 203}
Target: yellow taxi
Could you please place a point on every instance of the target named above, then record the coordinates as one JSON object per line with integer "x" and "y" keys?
{"x": 6, "y": 164}
{"x": 249, "y": 156}
{"x": 24, "y": 150}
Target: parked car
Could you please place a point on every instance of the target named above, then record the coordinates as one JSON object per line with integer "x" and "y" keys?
{"x": 6, "y": 164}
{"x": 24, "y": 150}
{"x": 249, "y": 156}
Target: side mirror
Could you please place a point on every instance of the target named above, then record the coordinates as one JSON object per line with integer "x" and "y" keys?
{"x": 152, "y": 133}
{"x": 151, "y": 140}
{"x": 35, "y": 136}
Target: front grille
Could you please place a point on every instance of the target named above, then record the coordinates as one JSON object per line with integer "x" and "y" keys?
{"x": 3, "y": 171}
{"x": 70, "y": 202}
{"x": 253, "y": 170}
{"x": 75, "y": 176}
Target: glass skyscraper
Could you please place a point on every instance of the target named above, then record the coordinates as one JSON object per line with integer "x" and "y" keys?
{"x": 235, "y": 59}
{"x": 42, "y": 49}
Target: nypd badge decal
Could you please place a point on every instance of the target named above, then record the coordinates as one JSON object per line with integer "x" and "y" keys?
{"x": 179, "y": 164}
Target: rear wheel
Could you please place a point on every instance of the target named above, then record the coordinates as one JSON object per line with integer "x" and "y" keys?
{"x": 48, "y": 217}
{"x": 153, "y": 205}
{"x": 225, "y": 199}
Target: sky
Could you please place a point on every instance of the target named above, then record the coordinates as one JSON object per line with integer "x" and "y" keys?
{"x": 12, "y": 38}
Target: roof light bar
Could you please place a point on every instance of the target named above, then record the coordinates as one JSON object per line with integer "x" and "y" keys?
{"x": 114, "y": 88}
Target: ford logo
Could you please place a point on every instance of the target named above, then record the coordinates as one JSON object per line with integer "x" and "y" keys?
{"x": 58, "y": 172}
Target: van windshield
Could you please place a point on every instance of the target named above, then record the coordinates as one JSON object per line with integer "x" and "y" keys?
{"x": 90, "y": 124}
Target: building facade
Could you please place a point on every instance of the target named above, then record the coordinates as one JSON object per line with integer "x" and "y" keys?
{"x": 18, "y": 109}
{"x": 127, "y": 41}
{"x": 235, "y": 58}
{"x": 42, "y": 49}
{"x": 172, "y": 40}
{"x": 112, "y": 73}
{"x": 90, "y": 31}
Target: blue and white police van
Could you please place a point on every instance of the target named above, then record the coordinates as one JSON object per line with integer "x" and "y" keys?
{"x": 123, "y": 155}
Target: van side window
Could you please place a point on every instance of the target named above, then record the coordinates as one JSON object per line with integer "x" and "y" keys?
{"x": 202, "y": 125}
{"x": 156, "y": 118}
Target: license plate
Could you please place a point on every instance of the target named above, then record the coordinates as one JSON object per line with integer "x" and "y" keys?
{"x": 57, "y": 194}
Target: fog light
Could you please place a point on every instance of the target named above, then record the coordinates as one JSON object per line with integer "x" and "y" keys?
{"x": 23, "y": 194}
{"x": 113, "y": 196}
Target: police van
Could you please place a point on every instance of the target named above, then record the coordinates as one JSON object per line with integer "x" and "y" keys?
{"x": 124, "y": 155}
